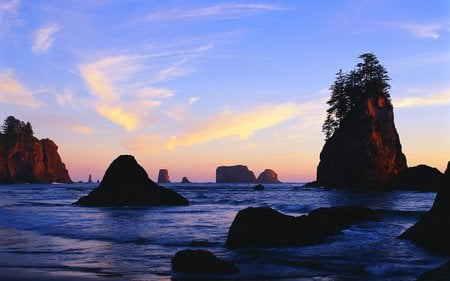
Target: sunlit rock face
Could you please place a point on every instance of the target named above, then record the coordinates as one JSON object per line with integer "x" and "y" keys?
{"x": 163, "y": 176}
{"x": 234, "y": 174}
{"x": 32, "y": 161}
{"x": 365, "y": 151}
{"x": 126, "y": 183}
{"x": 268, "y": 176}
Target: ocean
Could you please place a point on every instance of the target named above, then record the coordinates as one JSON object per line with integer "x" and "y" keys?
{"x": 43, "y": 234}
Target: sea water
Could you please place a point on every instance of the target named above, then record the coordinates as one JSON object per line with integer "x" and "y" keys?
{"x": 41, "y": 232}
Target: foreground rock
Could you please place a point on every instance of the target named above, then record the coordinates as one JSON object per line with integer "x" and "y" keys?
{"x": 432, "y": 231}
{"x": 126, "y": 183}
{"x": 163, "y": 176}
{"x": 185, "y": 180}
{"x": 421, "y": 177}
{"x": 267, "y": 227}
{"x": 258, "y": 187}
{"x": 201, "y": 261}
{"x": 234, "y": 174}
{"x": 25, "y": 159}
{"x": 268, "y": 176}
{"x": 441, "y": 273}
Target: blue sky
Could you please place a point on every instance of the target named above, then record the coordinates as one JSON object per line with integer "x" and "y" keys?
{"x": 190, "y": 85}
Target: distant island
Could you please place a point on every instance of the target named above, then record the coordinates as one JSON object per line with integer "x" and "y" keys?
{"x": 26, "y": 159}
{"x": 241, "y": 174}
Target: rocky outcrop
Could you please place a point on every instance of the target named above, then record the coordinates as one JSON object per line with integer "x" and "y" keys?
{"x": 267, "y": 227}
{"x": 234, "y": 174}
{"x": 32, "y": 161}
{"x": 268, "y": 176}
{"x": 421, "y": 177}
{"x": 126, "y": 183}
{"x": 185, "y": 180}
{"x": 201, "y": 261}
{"x": 259, "y": 187}
{"x": 365, "y": 151}
{"x": 163, "y": 176}
{"x": 442, "y": 273}
{"x": 89, "y": 179}
{"x": 432, "y": 231}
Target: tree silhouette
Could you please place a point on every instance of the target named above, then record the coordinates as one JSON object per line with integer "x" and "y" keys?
{"x": 15, "y": 130}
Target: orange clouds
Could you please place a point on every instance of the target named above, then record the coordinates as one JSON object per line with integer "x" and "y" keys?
{"x": 13, "y": 92}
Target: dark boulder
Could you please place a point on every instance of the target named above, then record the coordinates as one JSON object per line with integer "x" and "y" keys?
{"x": 258, "y": 187}
{"x": 185, "y": 180}
{"x": 268, "y": 176}
{"x": 163, "y": 176}
{"x": 201, "y": 261}
{"x": 432, "y": 231}
{"x": 126, "y": 183}
{"x": 267, "y": 227}
{"x": 234, "y": 174}
{"x": 421, "y": 177}
{"x": 442, "y": 273}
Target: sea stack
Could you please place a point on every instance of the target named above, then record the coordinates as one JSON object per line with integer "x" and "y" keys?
{"x": 163, "y": 176}
{"x": 185, "y": 180}
{"x": 89, "y": 179}
{"x": 268, "y": 176}
{"x": 234, "y": 174}
{"x": 126, "y": 183}
{"x": 421, "y": 177}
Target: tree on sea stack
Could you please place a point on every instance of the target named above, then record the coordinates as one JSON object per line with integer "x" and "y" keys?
{"x": 362, "y": 148}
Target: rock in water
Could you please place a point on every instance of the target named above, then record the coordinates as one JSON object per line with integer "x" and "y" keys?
{"x": 421, "y": 177}
{"x": 234, "y": 174}
{"x": 126, "y": 183}
{"x": 163, "y": 176}
{"x": 185, "y": 180}
{"x": 442, "y": 273}
{"x": 432, "y": 231}
{"x": 267, "y": 227}
{"x": 365, "y": 151}
{"x": 89, "y": 179}
{"x": 258, "y": 187}
{"x": 268, "y": 176}
{"x": 201, "y": 261}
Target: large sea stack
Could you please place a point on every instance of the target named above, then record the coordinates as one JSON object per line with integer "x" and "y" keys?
{"x": 234, "y": 174}
{"x": 126, "y": 183}
{"x": 268, "y": 176}
{"x": 163, "y": 176}
{"x": 362, "y": 148}
{"x": 25, "y": 159}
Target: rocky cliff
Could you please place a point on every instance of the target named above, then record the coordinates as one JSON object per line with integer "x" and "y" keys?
{"x": 163, "y": 176}
{"x": 421, "y": 177}
{"x": 365, "y": 151}
{"x": 268, "y": 176}
{"x": 234, "y": 174}
{"x": 31, "y": 161}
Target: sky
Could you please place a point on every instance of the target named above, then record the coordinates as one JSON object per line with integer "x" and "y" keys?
{"x": 192, "y": 85}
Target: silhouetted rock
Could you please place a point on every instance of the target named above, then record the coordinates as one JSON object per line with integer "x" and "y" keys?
{"x": 421, "y": 177}
{"x": 126, "y": 183}
{"x": 89, "y": 179}
{"x": 32, "y": 161}
{"x": 163, "y": 176}
{"x": 442, "y": 273}
{"x": 267, "y": 227}
{"x": 185, "y": 180}
{"x": 268, "y": 176}
{"x": 258, "y": 187}
{"x": 432, "y": 231}
{"x": 234, "y": 174}
{"x": 201, "y": 261}
{"x": 365, "y": 151}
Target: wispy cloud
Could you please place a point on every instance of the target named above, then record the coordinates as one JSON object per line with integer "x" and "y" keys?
{"x": 144, "y": 143}
{"x": 44, "y": 38}
{"x": 442, "y": 98}
{"x": 225, "y": 10}
{"x": 423, "y": 30}
{"x": 82, "y": 129}
{"x": 9, "y": 15}
{"x": 13, "y": 92}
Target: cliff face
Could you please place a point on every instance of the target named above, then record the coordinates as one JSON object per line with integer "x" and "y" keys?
{"x": 32, "y": 161}
{"x": 163, "y": 176}
{"x": 365, "y": 151}
{"x": 268, "y": 176}
{"x": 234, "y": 174}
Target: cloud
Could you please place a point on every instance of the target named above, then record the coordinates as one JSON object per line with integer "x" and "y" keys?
{"x": 65, "y": 98}
{"x": 118, "y": 115}
{"x": 144, "y": 144}
{"x": 225, "y": 10}
{"x": 193, "y": 100}
{"x": 150, "y": 92}
{"x": 238, "y": 125}
{"x": 13, "y": 92}
{"x": 44, "y": 38}
{"x": 82, "y": 129}
{"x": 430, "y": 100}
{"x": 9, "y": 11}
{"x": 423, "y": 30}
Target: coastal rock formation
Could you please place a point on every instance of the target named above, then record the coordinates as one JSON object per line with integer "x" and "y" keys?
{"x": 442, "y": 273}
{"x": 268, "y": 176}
{"x": 163, "y": 176}
{"x": 421, "y": 177}
{"x": 24, "y": 158}
{"x": 267, "y": 227}
{"x": 89, "y": 179}
{"x": 365, "y": 151}
{"x": 201, "y": 261}
{"x": 432, "y": 231}
{"x": 234, "y": 174}
{"x": 126, "y": 183}
{"x": 185, "y": 180}
{"x": 258, "y": 187}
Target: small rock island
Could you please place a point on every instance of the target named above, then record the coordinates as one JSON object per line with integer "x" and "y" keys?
{"x": 126, "y": 183}
{"x": 234, "y": 174}
{"x": 163, "y": 176}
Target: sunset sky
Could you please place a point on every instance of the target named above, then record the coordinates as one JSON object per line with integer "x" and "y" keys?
{"x": 191, "y": 85}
